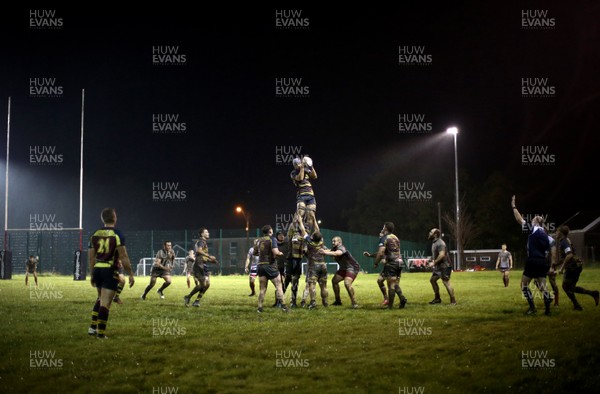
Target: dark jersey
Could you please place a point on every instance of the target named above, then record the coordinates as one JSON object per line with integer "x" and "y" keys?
{"x": 538, "y": 244}
{"x": 264, "y": 251}
{"x": 105, "y": 242}
{"x": 201, "y": 246}
{"x": 296, "y": 244}
{"x": 165, "y": 259}
{"x": 304, "y": 186}
{"x": 283, "y": 248}
{"x": 312, "y": 251}
{"x": 30, "y": 265}
{"x": 201, "y": 260}
{"x": 346, "y": 260}
{"x": 392, "y": 248}
{"x": 565, "y": 249}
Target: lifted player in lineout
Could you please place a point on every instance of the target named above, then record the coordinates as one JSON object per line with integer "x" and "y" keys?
{"x": 306, "y": 204}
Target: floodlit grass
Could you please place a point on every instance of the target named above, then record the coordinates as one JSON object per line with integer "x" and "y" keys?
{"x": 483, "y": 344}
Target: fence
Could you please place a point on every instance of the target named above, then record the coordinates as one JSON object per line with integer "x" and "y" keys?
{"x": 56, "y": 248}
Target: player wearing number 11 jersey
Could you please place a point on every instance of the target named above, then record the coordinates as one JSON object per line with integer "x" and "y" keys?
{"x": 106, "y": 248}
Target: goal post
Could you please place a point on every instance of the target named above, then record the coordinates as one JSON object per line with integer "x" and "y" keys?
{"x": 74, "y": 249}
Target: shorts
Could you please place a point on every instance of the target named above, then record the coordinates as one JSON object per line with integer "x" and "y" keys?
{"x": 346, "y": 274}
{"x": 443, "y": 270}
{"x": 317, "y": 273}
{"x": 254, "y": 271}
{"x": 504, "y": 269}
{"x": 268, "y": 270}
{"x": 536, "y": 268}
{"x": 30, "y": 270}
{"x": 307, "y": 199}
{"x": 106, "y": 278}
{"x": 159, "y": 273}
{"x": 572, "y": 273}
{"x": 200, "y": 274}
{"x": 391, "y": 271}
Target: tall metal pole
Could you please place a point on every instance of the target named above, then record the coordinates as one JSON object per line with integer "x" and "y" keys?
{"x": 458, "y": 243}
{"x": 81, "y": 175}
{"x": 6, "y": 180}
{"x": 247, "y": 235}
{"x": 439, "y": 217}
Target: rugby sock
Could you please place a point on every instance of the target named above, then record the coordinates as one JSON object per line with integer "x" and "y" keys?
{"x": 528, "y": 296}
{"x": 148, "y": 288}
{"x": 194, "y": 291}
{"x": 94, "y": 324}
{"x": 451, "y": 293}
{"x": 119, "y": 289}
{"x": 324, "y": 296}
{"x": 252, "y": 288}
{"x": 286, "y": 283}
{"x": 203, "y": 290}
{"x": 398, "y": 291}
{"x": 383, "y": 291}
{"x": 305, "y": 293}
{"x": 102, "y": 320}
{"x": 581, "y": 290}
{"x": 571, "y": 296}
{"x": 391, "y": 296}
{"x": 547, "y": 301}
{"x": 313, "y": 293}
{"x": 336, "y": 292}
{"x": 164, "y": 286}
{"x": 294, "y": 290}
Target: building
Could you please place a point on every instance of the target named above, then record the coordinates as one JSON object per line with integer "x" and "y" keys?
{"x": 585, "y": 234}
{"x": 484, "y": 258}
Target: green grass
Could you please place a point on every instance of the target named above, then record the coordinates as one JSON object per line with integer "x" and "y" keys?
{"x": 226, "y": 347}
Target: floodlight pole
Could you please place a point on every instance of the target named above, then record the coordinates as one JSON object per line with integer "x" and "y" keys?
{"x": 6, "y": 179}
{"x": 81, "y": 175}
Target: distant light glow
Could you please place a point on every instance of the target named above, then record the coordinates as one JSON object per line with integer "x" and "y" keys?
{"x": 452, "y": 130}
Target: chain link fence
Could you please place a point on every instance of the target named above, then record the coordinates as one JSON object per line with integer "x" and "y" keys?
{"x": 56, "y": 249}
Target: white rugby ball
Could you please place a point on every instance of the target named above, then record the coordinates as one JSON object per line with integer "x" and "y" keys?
{"x": 308, "y": 161}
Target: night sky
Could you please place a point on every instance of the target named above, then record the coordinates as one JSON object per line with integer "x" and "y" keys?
{"x": 213, "y": 84}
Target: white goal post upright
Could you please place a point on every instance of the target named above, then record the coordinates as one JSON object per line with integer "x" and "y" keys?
{"x": 7, "y": 174}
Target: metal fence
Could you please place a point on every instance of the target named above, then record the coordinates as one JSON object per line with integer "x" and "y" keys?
{"x": 56, "y": 248}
